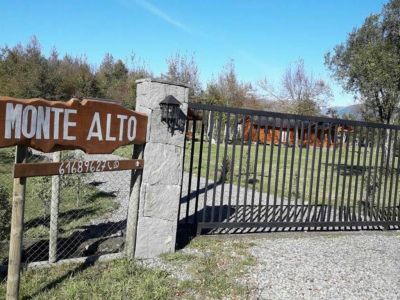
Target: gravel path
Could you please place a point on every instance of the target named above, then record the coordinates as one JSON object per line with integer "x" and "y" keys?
{"x": 116, "y": 183}
{"x": 359, "y": 265}
{"x": 220, "y": 193}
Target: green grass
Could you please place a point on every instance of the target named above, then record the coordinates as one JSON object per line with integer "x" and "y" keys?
{"x": 79, "y": 202}
{"x": 215, "y": 267}
{"x": 119, "y": 279}
{"x": 125, "y": 151}
{"x": 308, "y": 182}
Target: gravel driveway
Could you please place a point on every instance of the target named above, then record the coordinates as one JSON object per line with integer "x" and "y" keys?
{"x": 116, "y": 183}
{"x": 358, "y": 265}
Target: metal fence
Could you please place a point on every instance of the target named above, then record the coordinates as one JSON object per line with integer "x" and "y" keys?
{"x": 251, "y": 171}
{"x": 89, "y": 218}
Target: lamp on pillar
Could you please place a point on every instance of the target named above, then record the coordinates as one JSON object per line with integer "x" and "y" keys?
{"x": 170, "y": 110}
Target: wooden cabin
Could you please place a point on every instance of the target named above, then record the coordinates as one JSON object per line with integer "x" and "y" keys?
{"x": 192, "y": 117}
{"x": 275, "y": 130}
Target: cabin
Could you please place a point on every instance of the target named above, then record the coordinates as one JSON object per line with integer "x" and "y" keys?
{"x": 192, "y": 117}
{"x": 288, "y": 131}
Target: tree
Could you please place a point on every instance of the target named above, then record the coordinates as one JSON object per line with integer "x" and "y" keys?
{"x": 72, "y": 77}
{"x": 137, "y": 70}
{"x": 306, "y": 94}
{"x": 26, "y": 73}
{"x": 184, "y": 69}
{"x": 368, "y": 63}
{"x": 332, "y": 112}
{"x": 349, "y": 116}
{"x": 116, "y": 79}
{"x": 112, "y": 77}
{"x": 23, "y": 71}
{"x": 300, "y": 93}
{"x": 227, "y": 90}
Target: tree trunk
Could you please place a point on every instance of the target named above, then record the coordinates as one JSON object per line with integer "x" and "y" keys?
{"x": 208, "y": 126}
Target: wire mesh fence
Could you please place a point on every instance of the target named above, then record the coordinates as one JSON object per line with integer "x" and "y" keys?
{"x": 89, "y": 217}
{"x": 6, "y": 162}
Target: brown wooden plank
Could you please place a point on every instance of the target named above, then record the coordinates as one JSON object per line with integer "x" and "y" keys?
{"x": 75, "y": 167}
{"x": 96, "y": 127}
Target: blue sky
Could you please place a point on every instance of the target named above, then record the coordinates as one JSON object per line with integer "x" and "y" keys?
{"x": 262, "y": 37}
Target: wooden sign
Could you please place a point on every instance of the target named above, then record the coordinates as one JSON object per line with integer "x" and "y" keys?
{"x": 96, "y": 127}
{"x": 75, "y": 167}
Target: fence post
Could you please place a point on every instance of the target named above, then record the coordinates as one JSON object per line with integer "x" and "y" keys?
{"x": 133, "y": 208}
{"x": 162, "y": 173}
{"x": 54, "y": 205}
{"x": 17, "y": 224}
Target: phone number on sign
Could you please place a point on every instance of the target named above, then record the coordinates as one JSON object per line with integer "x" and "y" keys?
{"x": 76, "y": 167}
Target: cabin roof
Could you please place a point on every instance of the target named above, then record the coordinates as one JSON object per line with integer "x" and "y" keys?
{"x": 270, "y": 121}
{"x": 263, "y": 121}
{"x": 194, "y": 115}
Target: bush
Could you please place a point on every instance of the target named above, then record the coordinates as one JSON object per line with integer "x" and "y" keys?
{"x": 225, "y": 169}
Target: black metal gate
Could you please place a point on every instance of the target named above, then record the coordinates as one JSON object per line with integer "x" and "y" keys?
{"x": 249, "y": 171}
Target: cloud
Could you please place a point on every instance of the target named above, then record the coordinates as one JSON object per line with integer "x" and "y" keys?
{"x": 154, "y": 10}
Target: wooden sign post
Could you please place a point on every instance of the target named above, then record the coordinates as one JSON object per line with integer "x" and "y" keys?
{"x": 96, "y": 127}
{"x": 54, "y": 208}
{"x": 17, "y": 224}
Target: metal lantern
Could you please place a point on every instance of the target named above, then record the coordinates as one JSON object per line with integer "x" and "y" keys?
{"x": 170, "y": 110}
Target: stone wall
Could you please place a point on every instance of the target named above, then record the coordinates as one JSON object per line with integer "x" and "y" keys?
{"x": 162, "y": 174}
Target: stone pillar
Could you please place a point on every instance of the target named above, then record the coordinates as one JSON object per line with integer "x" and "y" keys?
{"x": 162, "y": 174}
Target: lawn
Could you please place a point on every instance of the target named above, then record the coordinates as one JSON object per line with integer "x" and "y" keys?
{"x": 315, "y": 175}
{"x": 211, "y": 268}
{"x": 318, "y": 174}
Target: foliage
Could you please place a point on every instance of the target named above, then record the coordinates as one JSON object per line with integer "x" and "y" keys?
{"x": 367, "y": 63}
{"x": 41, "y": 190}
{"x": 117, "y": 81}
{"x": 300, "y": 93}
{"x": 23, "y": 71}
{"x": 5, "y": 214}
{"x": 332, "y": 112}
{"x": 225, "y": 169}
{"x": 183, "y": 69}
{"x": 349, "y": 116}
{"x": 26, "y": 72}
{"x": 227, "y": 90}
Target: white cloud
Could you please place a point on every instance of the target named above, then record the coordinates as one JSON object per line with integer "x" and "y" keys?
{"x": 151, "y": 8}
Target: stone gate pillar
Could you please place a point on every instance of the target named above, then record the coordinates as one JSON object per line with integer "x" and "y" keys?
{"x": 162, "y": 174}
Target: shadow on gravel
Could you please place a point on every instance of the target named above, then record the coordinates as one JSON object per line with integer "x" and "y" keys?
{"x": 201, "y": 191}
{"x": 64, "y": 216}
{"x": 187, "y": 226}
{"x": 247, "y": 215}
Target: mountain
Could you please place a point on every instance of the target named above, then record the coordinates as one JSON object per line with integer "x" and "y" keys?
{"x": 351, "y": 109}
